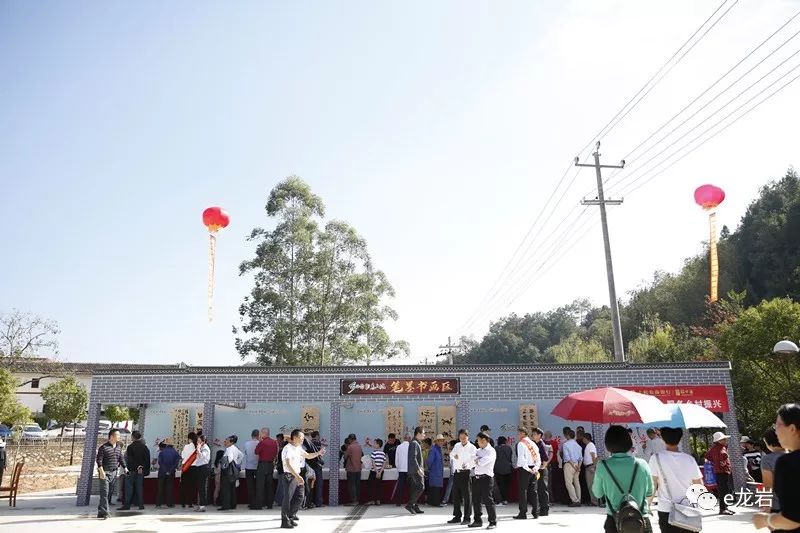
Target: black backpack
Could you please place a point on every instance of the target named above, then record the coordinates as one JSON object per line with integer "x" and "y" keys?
{"x": 628, "y": 518}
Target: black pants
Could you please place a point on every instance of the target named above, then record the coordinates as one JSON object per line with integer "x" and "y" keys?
{"x": 265, "y": 490}
{"x": 227, "y": 492}
{"x": 318, "y": 487}
{"x": 374, "y": 487}
{"x": 434, "y": 496}
{"x": 400, "y": 487}
{"x": 462, "y": 492}
{"x": 164, "y": 494}
{"x": 201, "y": 479}
{"x": 482, "y": 487}
{"x": 416, "y": 486}
{"x": 724, "y": 487}
{"x": 503, "y": 483}
{"x": 292, "y": 498}
{"x": 250, "y": 479}
{"x": 188, "y": 486}
{"x": 543, "y": 492}
{"x": 527, "y": 493}
{"x": 353, "y": 486}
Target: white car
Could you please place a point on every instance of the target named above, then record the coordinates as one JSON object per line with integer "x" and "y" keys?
{"x": 33, "y": 432}
{"x": 79, "y": 430}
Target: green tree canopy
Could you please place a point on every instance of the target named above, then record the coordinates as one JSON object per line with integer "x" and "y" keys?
{"x": 117, "y": 413}
{"x": 12, "y": 412}
{"x": 65, "y": 400}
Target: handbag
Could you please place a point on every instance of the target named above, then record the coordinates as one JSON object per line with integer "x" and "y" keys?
{"x": 681, "y": 515}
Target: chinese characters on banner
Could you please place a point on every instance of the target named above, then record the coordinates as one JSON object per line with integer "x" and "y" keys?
{"x": 180, "y": 426}
{"x": 712, "y": 397}
{"x": 397, "y": 387}
{"x": 198, "y": 419}
{"x": 426, "y": 418}
{"x": 394, "y": 421}
{"x": 528, "y": 416}
{"x": 309, "y": 419}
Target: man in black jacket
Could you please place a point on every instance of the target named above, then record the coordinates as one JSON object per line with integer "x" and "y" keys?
{"x": 416, "y": 472}
{"x": 137, "y": 457}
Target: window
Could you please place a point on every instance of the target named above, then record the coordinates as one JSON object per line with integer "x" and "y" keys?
{"x": 35, "y": 383}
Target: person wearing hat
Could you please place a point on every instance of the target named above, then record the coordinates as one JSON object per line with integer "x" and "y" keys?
{"x": 230, "y": 465}
{"x": 168, "y": 461}
{"x": 721, "y": 461}
{"x": 435, "y": 472}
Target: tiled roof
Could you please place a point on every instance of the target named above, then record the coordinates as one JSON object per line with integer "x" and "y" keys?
{"x": 46, "y": 365}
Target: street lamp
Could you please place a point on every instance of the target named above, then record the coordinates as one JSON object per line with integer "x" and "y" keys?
{"x": 785, "y": 347}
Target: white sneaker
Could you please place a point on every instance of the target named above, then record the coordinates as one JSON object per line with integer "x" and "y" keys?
{"x": 200, "y": 509}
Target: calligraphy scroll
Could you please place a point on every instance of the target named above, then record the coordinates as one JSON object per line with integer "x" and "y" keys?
{"x": 198, "y": 418}
{"x": 394, "y": 421}
{"x": 309, "y": 419}
{"x": 528, "y": 416}
{"x": 180, "y": 426}
{"x": 447, "y": 427}
{"x": 426, "y": 418}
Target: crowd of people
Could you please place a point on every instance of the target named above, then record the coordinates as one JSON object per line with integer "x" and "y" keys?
{"x": 548, "y": 470}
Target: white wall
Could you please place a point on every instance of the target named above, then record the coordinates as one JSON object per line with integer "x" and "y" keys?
{"x": 32, "y": 397}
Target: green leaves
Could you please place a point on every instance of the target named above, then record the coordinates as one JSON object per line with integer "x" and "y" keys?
{"x": 317, "y": 298}
{"x": 65, "y": 400}
{"x": 12, "y": 412}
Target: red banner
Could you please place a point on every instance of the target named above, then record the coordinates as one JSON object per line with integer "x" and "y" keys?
{"x": 396, "y": 387}
{"x": 712, "y": 397}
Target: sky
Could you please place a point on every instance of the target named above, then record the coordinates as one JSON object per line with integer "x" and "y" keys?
{"x": 437, "y": 129}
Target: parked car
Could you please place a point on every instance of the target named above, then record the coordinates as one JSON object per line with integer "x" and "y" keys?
{"x": 33, "y": 432}
{"x": 79, "y": 430}
{"x": 103, "y": 426}
{"x": 5, "y": 431}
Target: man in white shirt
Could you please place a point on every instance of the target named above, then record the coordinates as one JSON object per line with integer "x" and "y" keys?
{"x": 293, "y": 457}
{"x": 590, "y": 460}
{"x": 572, "y": 456}
{"x": 654, "y": 445}
{"x": 462, "y": 460}
{"x": 483, "y": 483}
{"x": 401, "y": 460}
{"x": 231, "y": 465}
{"x": 528, "y": 464}
{"x": 673, "y": 473}
{"x": 251, "y": 467}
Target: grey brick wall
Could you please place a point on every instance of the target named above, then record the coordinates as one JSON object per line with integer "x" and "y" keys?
{"x": 321, "y": 384}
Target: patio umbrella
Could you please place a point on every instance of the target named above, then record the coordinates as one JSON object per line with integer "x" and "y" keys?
{"x": 609, "y": 405}
{"x": 689, "y": 416}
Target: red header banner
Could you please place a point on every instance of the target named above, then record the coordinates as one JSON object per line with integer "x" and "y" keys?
{"x": 712, "y": 397}
{"x": 398, "y": 387}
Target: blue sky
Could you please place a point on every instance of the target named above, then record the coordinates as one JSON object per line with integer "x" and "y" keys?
{"x": 436, "y": 128}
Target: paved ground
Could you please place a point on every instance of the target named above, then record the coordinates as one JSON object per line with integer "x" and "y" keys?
{"x": 56, "y": 511}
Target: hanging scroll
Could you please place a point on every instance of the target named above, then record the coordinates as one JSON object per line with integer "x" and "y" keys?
{"x": 426, "y": 418}
{"x": 447, "y": 427}
{"x": 180, "y": 426}
{"x": 394, "y": 421}
{"x": 528, "y": 416}
{"x": 198, "y": 419}
{"x": 309, "y": 419}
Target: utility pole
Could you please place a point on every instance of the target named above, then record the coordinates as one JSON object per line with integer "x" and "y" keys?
{"x": 448, "y": 350}
{"x": 619, "y": 350}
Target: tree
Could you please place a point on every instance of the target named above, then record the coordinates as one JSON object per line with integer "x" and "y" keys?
{"x": 661, "y": 342}
{"x": 762, "y": 380}
{"x": 65, "y": 401}
{"x": 117, "y": 413}
{"x": 24, "y": 336}
{"x": 576, "y": 349}
{"x": 317, "y": 298}
{"x": 12, "y": 412}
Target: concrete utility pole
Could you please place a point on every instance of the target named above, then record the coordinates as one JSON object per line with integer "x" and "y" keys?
{"x": 448, "y": 350}
{"x": 619, "y": 350}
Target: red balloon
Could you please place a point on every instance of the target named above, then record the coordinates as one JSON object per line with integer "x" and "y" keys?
{"x": 215, "y": 218}
{"x": 709, "y": 196}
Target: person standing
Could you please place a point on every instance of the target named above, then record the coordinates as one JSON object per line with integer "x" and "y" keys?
{"x": 230, "y": 466}
{"x": 768, "y": 463}
{"x": 673, "y": 473}
{"x": 542, "y": 490}
{"x": 188, "y": 482}
{"x": 719, "y": 458}
{"x": 110, "y": 460}
{"x": 292, "y": 457}
{"x": 200, "y": 470}
{"x": 352, "y": 464}
{"x": 573, "y": 458}
{"x": 416, "y": 472}
{"x": 482, "y": 486}
{"x": 528, "y": 465}
{"x": 752, "y": 455}
{"x": 2, "y": 458}
{"x": 313, "y": 445}
{"x": 251, "y": 469}
{"x": 137, "y": 459}
{"x": 267, "y": 451}
{"x": 503, "y": 467}
{"x": 281, "y": 490}
{"x": 168, "y": 462}
{"x": 655, "y": 444}
{"x": 401, "y": 456}
{"x": 435, "y": 464}
{"x": 390, "y": 449}
{"x": 590, "y": 460}
{"x": 621, "y": 472}
{"x": 462, "y": 459}
{"x": 787, "y": 474}
{"x": 378, "y": 457}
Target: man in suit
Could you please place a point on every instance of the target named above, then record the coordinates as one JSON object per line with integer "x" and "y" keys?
{"x": 416, "y": 472}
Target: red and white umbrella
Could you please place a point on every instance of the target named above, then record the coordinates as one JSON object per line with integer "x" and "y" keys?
{"x": 609, "y": 405}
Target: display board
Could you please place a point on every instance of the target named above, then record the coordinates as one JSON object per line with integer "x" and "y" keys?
{"x": 426, "y": 418}
{"x": 309, "y": 419}
{"x": 394, "y": 422}
{"x": 528, "y": 416}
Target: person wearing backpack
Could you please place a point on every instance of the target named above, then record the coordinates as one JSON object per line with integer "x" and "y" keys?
{"x": 673, "y": 473}
{"x": 230, "y": 466}
{"x": 625, "y": 483}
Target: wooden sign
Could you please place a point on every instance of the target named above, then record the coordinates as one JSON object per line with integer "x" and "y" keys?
{"x": 398, "y": 387}
{"x": 426, "y": 418}
{"x": 528, "y": 416}
{"x": 394, "y": 422}
{"x": 309, "y": 419}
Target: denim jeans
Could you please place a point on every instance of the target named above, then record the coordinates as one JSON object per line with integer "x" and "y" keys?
{"x": 107, "y": 487}
{"x": 133, "y": 489}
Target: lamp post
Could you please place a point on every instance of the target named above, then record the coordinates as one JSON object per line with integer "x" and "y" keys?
{"x": 786, "y": 347}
